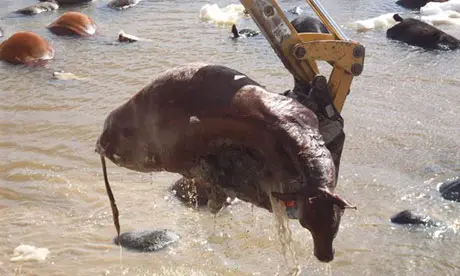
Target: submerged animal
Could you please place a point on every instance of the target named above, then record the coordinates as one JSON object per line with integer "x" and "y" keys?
{"x": 416, "y": 4}
{"x": 308, "y": 24}
{"x": 73, "y": 23}
{"x": 450, "y": 190}
{"x": 243, "y": 33}
{"x": 26, "y": 48}
{"x": 49, "y": 5}
{"x": 122, "y": 4}
{"x": 418, "y": 33}
{"x": 217, "y": 125}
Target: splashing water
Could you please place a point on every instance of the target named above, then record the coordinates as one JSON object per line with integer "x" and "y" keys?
{"x": 285, "y": 238}
{"x": 226, "y": 16}
{"x": 328, "y": 270}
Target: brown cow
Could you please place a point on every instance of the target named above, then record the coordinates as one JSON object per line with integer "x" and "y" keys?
{"x": 215, "y": 124}
{"x": 73, "y": 23}
{"x": 26, "y": 48}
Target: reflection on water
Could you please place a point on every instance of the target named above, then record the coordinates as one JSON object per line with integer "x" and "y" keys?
{"x": 402, "y": 139}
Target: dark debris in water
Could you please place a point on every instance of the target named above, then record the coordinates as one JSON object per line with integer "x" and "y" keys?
{"x": 450, "y": 190}
{"x": 147, "y": 240}
{"x": 412, "y": 218}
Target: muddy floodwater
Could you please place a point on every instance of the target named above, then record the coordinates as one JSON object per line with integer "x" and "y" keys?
{"x": 403, "y": 138}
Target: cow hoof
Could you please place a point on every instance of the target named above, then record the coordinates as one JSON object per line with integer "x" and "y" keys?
{"x": 450, "y": 190}
{"x": 147, "y": 240}
{"x": 409, "y": 217}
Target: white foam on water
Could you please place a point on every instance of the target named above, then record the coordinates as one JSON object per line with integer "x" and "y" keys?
{"x": 383, "y": 21}
{"x": 433, "y": 15}
{"x": 328, "y": 269}
{"x": 456, "y": 226}
{"x": 121, "y": 256}
{"x": 226, "y": 16}
{"x": 448, "y": 17}
{"x": 66, "y": 76}
{"x": 26, "y": 252}
{"x": 48, "y": 55}
{"x": 91, "y": 29}
{"x": 433, "y": 8}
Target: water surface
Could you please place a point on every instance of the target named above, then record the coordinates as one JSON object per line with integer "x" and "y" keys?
{"x": 402, "y": 131}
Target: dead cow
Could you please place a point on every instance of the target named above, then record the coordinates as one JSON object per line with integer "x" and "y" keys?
{"x": 217, "y": 125}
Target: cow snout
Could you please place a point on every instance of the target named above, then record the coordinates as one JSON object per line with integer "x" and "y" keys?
{"x": 324, "y": 256}
{"x": 323, "y": 249}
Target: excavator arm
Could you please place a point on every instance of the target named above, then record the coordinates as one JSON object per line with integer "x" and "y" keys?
{"x": 300, "y": 51}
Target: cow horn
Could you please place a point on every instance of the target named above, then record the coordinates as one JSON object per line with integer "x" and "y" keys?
{"x": 336, "y": 199}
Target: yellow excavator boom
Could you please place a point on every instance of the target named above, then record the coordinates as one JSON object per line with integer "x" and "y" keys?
{"x": 300, "y": 51}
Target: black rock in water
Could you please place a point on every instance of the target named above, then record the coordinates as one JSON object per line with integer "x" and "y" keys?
{"x": 122, "y": 4}
{"x": 147, "y": 240}
{"x": 69, "y": 2}
{"x": 38, "y": 8}
{"x": 450, "y": 190}
{"x": 409, "y": 217}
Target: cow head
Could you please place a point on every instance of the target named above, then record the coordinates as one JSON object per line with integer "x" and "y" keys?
{"x": 320, "y": 212}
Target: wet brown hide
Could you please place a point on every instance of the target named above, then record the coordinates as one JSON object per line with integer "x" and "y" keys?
{"x": 73, "y": 23}
{"x": 216, "y": 125}
{"x": 26, "y": 48}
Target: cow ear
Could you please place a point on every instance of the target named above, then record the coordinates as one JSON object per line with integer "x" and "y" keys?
{"x": 336, "y": 199}
{"x": 285, "y": 196}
